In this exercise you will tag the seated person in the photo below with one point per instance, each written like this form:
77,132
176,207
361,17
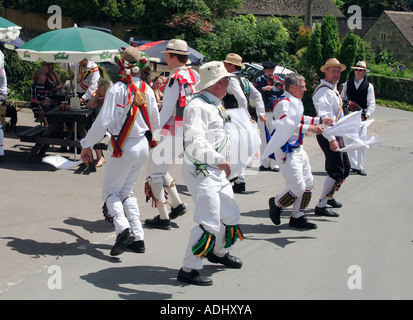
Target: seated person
96,103
53,82
156,86
38,93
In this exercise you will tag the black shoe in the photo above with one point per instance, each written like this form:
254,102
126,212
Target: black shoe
354,171
178,211
275,211
238,187
262,168
325,212
137,246
193,277
333,203
158,223
122,240
362,173
301,223
226,260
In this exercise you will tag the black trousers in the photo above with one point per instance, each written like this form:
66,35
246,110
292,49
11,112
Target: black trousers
337,164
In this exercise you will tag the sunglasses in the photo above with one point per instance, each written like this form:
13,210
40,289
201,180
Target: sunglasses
361,70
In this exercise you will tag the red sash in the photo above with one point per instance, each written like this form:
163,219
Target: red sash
131,117
84,75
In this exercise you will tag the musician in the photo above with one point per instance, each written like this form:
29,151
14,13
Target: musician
271,87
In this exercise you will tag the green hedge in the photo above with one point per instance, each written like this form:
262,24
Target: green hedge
390,88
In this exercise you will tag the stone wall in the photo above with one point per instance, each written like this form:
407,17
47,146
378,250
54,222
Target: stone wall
386,34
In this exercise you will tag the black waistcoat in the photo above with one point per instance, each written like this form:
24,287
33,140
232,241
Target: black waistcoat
358,95
230,102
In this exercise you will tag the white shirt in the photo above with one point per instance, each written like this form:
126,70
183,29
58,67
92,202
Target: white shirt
327,102
171,95
3,77
235,89
371,98
204,130
91,82
111,117
289,114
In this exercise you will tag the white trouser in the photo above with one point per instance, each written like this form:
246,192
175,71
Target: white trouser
268,162
121,175
296,171
356,156
160,158
214,206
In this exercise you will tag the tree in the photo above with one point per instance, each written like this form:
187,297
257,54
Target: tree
329,37
314,53
253,40
347,56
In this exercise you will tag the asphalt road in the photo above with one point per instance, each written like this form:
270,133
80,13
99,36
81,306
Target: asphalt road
54,243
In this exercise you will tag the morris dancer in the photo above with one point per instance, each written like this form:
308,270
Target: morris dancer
293,161
205,170
236,103
177,93
128,113
361,91
327,102
87,79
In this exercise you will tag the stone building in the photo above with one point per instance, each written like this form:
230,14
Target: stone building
393,30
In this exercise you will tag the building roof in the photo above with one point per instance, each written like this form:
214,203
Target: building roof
343,28
404,22
321,8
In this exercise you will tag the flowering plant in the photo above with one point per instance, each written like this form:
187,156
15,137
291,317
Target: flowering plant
190,23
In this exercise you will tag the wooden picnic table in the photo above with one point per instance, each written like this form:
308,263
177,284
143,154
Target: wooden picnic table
53,134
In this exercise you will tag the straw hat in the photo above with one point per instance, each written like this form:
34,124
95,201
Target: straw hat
131,54
210,73
333,62
234,59
177,46
361,65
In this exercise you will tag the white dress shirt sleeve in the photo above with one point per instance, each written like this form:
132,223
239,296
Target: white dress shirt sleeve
102,122
256,96
371,100
94,80
170,98
196,121
323,101
235,89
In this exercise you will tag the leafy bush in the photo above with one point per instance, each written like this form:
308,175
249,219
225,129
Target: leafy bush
253,40
19,75
391,88
392,72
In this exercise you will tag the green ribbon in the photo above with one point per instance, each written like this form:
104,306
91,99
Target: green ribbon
201,167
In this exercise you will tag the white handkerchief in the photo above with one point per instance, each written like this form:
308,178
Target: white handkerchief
60,162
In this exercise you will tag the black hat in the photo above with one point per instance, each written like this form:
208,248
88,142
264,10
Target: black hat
269,64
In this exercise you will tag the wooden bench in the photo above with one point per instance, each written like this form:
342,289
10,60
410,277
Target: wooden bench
31,134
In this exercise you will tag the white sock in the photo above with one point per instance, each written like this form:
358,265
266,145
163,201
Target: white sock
328,187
